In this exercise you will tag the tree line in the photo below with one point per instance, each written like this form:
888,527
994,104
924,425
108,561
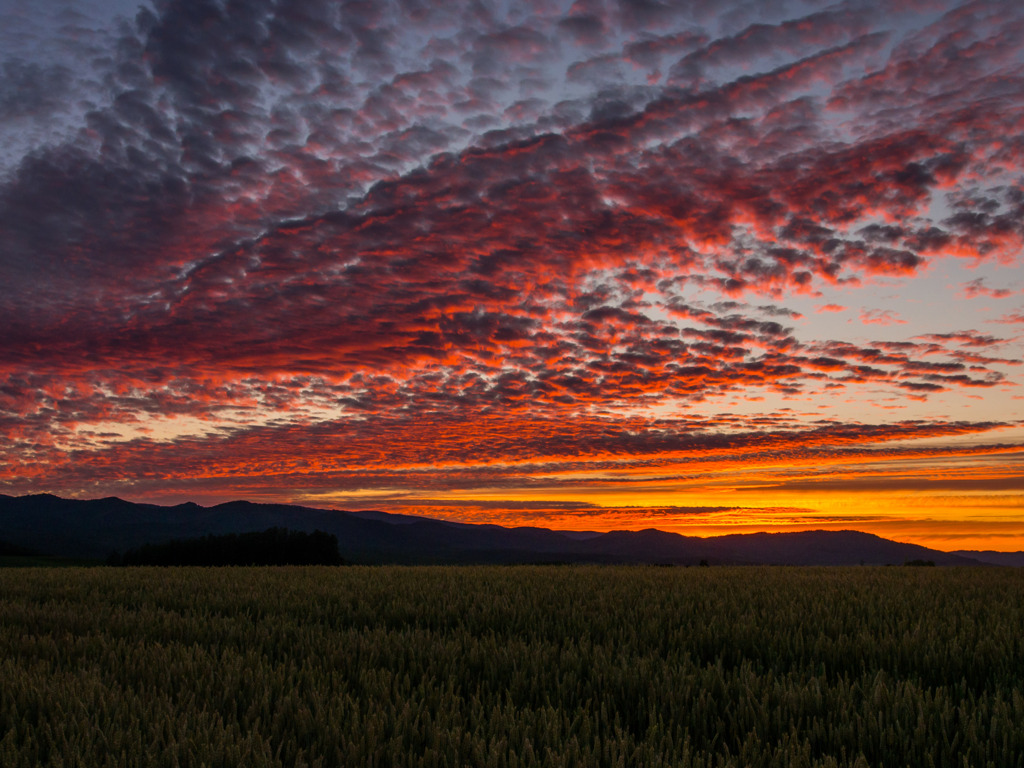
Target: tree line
274,546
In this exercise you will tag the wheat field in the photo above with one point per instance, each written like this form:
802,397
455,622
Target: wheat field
517,666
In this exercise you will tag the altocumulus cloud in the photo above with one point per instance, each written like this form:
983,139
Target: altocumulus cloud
309,245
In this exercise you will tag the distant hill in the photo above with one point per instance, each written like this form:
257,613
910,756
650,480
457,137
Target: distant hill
994,558
99,527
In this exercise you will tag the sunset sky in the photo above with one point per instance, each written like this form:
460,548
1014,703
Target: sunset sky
706,266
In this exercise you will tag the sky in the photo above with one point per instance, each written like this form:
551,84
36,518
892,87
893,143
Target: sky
710,267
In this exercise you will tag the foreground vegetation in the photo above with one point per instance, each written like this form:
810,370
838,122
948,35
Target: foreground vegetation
533,666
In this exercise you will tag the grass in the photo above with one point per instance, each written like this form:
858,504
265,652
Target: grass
511,666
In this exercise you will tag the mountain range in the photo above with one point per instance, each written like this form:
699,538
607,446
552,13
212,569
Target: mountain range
96,528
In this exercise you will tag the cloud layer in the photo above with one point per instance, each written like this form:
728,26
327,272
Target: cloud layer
296,247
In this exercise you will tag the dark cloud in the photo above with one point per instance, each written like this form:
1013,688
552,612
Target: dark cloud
645,14
32,90
652,51
793,38
583,29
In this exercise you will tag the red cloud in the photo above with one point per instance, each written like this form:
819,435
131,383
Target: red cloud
978,288
880,317
373,247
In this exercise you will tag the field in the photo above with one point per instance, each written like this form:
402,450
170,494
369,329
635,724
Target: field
531,666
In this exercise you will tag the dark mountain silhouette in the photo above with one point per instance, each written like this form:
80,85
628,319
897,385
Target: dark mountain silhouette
991,557
815,547
99,527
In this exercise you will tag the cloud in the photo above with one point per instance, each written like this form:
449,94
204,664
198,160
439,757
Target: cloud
452,450
966,338
32,90
407,231
1011,318
977,287
790,38
880,317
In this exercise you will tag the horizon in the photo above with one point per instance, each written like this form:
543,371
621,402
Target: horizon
578,264
537,526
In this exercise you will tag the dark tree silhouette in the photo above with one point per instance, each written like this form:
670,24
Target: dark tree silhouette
12,550
274,546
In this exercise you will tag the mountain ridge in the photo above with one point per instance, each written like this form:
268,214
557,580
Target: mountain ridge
992,556
95,528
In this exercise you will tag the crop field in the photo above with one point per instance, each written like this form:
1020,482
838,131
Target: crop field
530,666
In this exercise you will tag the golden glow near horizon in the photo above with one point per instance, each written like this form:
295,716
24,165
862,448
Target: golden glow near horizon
969,500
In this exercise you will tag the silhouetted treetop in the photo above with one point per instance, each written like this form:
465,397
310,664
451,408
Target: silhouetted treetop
274,546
